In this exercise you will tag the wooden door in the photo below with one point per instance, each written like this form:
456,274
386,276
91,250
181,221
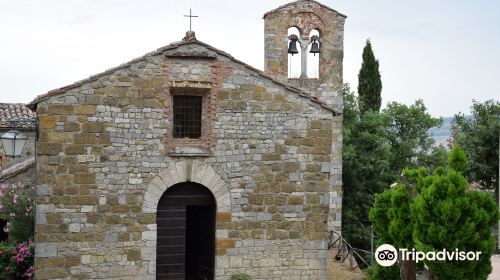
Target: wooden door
186,233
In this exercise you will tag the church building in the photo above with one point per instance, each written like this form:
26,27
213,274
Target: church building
187,163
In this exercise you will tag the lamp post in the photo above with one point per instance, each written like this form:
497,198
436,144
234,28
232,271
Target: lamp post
13,143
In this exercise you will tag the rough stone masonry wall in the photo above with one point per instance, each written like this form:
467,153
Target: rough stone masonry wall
102,143
307,16
280,180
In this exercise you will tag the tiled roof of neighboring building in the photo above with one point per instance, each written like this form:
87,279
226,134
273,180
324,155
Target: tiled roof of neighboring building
16,115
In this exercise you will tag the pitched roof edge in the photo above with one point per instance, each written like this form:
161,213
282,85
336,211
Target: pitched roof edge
292,3
94,77
174,45
17,168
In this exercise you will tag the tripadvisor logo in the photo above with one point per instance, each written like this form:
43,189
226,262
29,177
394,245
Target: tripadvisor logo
387,255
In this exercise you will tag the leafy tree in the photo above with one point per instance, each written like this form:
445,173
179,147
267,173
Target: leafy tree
436,157
378,272
376,148
408,127
478,136
458,160
369,82
392,223
379,216
447,216
351,111
386,228
366,156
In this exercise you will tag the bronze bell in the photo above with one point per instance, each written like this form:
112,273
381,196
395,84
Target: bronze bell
315,45
292,47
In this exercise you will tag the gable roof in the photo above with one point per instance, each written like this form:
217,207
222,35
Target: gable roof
16,115
296,2
172,46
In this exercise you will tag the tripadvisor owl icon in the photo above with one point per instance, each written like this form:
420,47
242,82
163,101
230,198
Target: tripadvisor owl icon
386,255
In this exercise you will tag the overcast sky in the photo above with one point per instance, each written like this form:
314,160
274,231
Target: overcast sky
445,52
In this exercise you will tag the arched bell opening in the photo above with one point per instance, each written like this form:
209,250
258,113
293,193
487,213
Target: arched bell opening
294,53
313,54
185,247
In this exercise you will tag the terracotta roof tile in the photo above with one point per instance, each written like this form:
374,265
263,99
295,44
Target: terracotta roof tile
16,115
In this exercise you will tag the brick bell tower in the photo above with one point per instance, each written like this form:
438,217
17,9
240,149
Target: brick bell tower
307,18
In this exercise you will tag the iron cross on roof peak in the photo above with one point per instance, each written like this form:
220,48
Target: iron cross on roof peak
190,16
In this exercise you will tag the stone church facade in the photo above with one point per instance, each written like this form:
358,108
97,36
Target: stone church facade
128,161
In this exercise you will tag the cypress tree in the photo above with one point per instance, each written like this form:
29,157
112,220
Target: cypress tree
366,164
369,82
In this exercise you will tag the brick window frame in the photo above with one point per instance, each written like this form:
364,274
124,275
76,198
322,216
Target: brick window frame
190,146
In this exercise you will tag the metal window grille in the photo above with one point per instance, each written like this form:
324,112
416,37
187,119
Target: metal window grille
187,116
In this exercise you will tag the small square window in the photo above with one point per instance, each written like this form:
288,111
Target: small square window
187,116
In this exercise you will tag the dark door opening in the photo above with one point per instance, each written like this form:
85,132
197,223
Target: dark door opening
186,233
3,235
199,242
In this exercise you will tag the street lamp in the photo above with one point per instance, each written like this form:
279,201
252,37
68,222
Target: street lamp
13,142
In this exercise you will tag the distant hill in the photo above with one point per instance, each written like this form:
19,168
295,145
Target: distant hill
443,133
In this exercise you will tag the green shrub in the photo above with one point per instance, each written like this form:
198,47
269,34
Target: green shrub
17,260
435,212
377,272
7,262
16,206
241,276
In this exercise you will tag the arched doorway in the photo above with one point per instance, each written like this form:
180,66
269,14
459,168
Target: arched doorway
186,233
